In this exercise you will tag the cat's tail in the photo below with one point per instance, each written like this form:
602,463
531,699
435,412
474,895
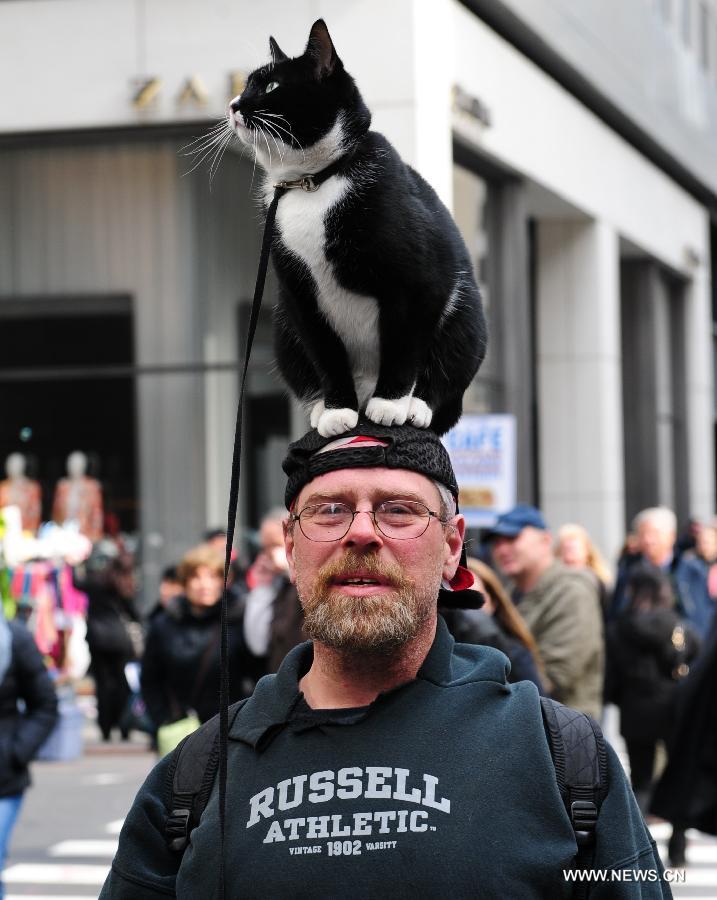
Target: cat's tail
447,414
454,355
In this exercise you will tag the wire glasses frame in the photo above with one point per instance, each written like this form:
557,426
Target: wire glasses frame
395,519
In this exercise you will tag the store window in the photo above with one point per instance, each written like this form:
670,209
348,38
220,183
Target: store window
472,198
67,392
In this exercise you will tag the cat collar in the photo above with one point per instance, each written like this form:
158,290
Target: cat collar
314,180
306,183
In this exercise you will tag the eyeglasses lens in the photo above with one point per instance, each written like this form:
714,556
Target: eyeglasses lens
400,520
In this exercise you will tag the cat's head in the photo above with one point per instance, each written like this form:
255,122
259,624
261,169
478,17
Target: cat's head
300,113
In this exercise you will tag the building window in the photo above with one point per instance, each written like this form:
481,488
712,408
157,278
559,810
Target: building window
471,212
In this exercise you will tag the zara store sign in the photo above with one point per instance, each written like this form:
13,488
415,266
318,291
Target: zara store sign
188,92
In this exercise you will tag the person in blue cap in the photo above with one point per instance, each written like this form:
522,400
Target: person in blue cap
560,605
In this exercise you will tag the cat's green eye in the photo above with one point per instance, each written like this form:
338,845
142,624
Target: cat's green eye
272,86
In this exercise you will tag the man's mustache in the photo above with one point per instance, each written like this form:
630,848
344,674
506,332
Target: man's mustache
353,564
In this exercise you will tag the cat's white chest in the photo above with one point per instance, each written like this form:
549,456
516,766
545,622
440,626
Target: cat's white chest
300,219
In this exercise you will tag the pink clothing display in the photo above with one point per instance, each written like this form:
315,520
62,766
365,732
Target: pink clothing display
80,500
25,493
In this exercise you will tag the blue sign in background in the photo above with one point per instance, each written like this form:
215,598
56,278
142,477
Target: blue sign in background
483,452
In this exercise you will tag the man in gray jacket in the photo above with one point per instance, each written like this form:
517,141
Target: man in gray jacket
561,607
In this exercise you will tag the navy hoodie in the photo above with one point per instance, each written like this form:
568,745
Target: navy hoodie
443,787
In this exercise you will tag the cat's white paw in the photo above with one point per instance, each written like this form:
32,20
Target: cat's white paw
388,412
336,421
316,412
419,413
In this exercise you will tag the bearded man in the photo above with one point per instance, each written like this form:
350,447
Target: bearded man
383,759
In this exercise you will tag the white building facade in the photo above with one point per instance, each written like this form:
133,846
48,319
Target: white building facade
593,247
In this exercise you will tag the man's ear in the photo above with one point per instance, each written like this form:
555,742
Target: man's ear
453,545
288,527
277,54
320,49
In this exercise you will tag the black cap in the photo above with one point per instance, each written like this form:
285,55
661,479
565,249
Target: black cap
404,447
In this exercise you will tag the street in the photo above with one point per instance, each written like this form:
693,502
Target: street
67,832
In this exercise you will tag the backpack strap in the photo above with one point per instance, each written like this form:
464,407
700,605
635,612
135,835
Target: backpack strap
191,775
579,754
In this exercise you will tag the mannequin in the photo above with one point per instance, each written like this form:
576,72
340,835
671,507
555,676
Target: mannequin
78,498
18,490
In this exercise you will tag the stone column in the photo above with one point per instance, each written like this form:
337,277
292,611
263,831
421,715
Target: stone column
699,393
578,362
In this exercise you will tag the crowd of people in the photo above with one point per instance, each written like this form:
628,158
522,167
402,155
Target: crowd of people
581,634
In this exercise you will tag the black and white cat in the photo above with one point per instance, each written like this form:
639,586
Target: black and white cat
378,307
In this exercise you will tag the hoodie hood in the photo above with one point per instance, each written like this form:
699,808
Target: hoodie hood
276,697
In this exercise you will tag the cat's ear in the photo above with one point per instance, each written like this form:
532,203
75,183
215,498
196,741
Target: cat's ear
277,54
320,48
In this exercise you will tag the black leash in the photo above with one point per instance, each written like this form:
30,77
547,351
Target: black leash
308,183
231,521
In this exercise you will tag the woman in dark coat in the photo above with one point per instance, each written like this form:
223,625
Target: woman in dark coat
686,795
22,677
649,651
497,624
114,637
180,669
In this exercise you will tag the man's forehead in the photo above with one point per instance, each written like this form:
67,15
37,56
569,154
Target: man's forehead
369,482
654,525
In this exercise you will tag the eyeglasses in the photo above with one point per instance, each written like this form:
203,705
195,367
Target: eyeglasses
395,519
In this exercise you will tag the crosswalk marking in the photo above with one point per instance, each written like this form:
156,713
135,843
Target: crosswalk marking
701,870
102,779
51,873
84,848
114,827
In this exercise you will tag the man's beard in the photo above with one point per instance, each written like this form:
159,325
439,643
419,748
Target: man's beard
377,623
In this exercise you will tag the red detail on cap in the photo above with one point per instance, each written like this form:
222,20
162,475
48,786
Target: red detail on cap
462,580
362,438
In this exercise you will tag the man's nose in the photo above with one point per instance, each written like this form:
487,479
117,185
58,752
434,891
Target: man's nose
363,532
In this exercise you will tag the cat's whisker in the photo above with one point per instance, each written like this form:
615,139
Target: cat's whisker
219,126
200,158
261,131
287,131
215,132
210,149
207,145
272,134
276,116
253,169
214,168
278,148
205,148
217,149
275,126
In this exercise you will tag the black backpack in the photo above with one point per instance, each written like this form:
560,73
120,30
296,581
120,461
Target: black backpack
577,747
